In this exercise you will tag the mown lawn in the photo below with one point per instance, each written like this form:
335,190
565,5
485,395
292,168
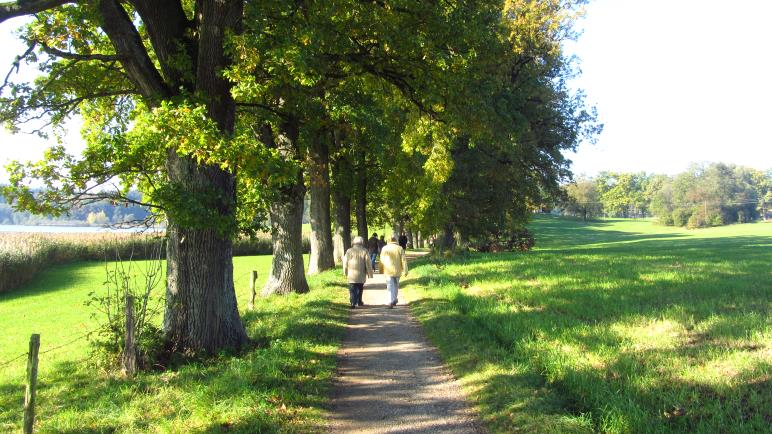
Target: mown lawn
281,386
611,326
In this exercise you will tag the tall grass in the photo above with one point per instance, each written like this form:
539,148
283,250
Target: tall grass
24,255
613,326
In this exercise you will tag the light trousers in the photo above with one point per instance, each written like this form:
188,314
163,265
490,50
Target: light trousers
392,284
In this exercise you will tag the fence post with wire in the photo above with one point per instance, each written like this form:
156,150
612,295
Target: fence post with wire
32,380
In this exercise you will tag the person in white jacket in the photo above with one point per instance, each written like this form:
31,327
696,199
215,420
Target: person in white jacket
394,265
357,269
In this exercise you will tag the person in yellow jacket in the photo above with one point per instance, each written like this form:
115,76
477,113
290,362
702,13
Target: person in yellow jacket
394,266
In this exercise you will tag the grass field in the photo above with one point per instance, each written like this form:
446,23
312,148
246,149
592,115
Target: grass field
278,387
611,326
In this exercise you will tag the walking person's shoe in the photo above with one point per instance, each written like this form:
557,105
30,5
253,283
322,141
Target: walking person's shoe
353,306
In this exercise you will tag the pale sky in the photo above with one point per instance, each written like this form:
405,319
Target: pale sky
674,82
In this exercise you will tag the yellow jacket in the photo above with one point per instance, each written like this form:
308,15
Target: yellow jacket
393,260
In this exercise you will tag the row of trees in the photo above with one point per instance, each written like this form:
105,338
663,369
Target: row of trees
438,117
704,195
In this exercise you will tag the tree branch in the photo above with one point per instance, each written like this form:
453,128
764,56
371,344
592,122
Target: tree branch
19,8
167,26
15,65
76,56
128,45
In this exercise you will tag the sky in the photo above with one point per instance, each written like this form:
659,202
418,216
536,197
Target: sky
675,82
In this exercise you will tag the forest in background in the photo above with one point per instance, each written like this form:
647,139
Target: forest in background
94,214
704,195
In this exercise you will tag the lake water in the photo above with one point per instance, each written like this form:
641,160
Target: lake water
68,229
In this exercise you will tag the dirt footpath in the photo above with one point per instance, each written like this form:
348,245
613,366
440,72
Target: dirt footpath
389,379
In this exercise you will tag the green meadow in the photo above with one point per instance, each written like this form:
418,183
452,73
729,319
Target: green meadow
618,326
279,386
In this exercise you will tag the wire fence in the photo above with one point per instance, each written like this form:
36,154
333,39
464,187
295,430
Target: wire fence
5,364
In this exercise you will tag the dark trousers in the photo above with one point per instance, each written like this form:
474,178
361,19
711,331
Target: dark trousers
355,291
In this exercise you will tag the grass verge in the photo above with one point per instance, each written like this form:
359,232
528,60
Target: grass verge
612,326
282,386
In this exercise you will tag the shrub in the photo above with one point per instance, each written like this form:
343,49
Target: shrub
666,219
515,240
681,216
140,281
716,219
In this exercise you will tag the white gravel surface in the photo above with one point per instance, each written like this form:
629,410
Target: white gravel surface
390,379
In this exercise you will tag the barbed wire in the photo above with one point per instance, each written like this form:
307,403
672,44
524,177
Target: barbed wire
7,363
83,336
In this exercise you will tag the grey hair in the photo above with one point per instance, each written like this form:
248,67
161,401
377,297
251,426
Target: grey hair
358,240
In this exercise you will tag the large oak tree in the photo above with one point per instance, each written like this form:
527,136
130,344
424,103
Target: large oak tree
105,60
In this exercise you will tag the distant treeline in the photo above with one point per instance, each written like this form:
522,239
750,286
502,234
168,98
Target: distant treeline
704,195
96,214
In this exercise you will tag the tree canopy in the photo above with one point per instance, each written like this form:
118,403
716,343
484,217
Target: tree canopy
445,116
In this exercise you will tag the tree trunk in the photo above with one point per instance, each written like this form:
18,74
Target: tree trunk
201,311
409,234
286,213
398,228
342,238
319,183
448,240
361,195
287,268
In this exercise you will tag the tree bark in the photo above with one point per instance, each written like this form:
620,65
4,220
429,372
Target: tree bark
321,257
127,42
342,238
10,10
361,194
410,242
286,213
448,240
201,310
341,196
287,268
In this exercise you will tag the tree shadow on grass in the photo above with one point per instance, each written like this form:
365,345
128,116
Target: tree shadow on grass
55,278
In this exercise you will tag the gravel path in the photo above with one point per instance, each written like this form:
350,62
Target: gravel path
389,379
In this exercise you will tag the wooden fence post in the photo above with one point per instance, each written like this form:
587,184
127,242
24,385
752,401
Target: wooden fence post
129,350
253,289
32,383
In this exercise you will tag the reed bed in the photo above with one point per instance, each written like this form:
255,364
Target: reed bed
23,255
